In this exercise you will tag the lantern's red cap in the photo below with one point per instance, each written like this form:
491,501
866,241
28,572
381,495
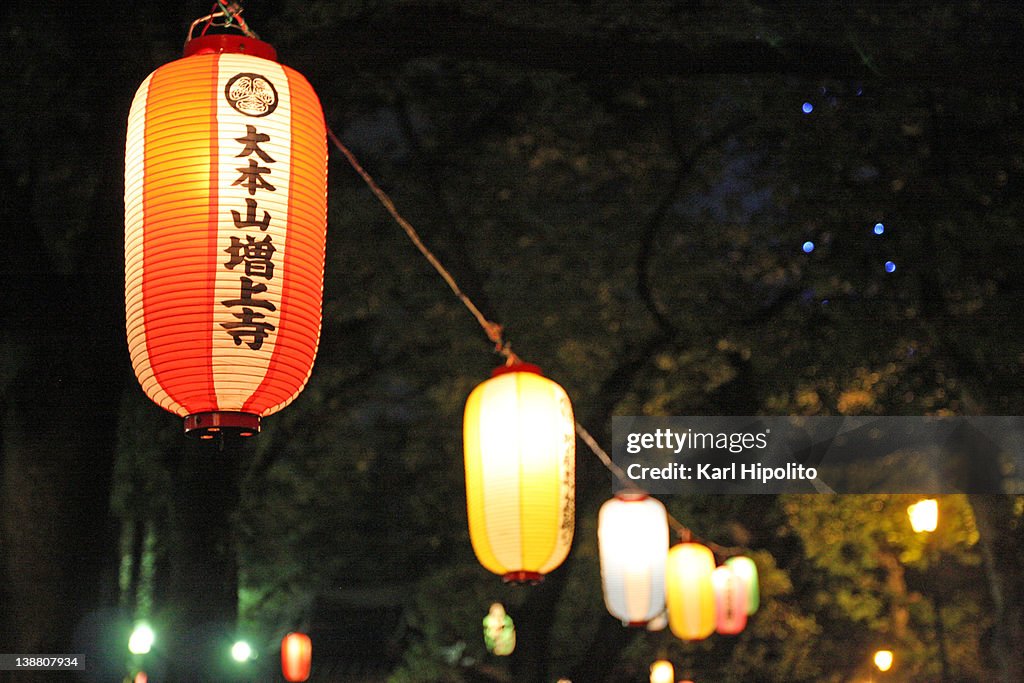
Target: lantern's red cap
532,578
231,44
631,496
517,367
208,425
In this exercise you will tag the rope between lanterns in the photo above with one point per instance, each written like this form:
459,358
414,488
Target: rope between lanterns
502,346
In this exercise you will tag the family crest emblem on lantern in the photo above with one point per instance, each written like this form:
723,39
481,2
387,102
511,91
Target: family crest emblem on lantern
251,94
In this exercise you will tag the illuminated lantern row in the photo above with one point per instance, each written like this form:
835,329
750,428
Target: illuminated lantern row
520,456
702,599
689,593
225,223
296,657
730,601
633,539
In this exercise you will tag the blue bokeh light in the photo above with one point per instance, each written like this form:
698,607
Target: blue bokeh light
879,228
808,107
808,247
890,267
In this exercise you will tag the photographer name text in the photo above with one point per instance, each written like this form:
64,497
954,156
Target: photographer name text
728,472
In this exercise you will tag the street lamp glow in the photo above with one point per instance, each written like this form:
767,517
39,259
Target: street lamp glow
924,515
141,640
241,651
883,660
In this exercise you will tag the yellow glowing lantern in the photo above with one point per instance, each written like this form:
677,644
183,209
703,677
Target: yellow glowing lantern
689,593
520,454
924,515
296,657
225,224
730,601
884,660
746,570
662,671
632,539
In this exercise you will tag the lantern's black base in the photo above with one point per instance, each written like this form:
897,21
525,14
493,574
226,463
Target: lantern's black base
210,425
532,578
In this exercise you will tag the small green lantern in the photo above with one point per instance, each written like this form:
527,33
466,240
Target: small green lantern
499,631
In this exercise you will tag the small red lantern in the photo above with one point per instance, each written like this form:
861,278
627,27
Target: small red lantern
730,601
225,225
296,656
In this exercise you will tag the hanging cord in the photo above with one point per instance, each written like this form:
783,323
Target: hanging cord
223,14
502,346
492,329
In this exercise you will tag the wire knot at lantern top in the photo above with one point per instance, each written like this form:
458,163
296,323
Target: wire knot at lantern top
225,14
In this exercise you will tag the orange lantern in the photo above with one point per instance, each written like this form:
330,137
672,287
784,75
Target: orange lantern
632,540
296,656
689,593
520,454
730,601
225,224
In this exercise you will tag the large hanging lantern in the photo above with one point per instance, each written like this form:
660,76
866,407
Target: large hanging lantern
689,593
296,657
632,539
746,571
225,223
520,452
730,601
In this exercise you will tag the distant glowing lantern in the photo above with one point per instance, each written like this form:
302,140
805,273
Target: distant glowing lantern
689,593
730,601
658,623
746,570
296,656
225,224
141,677
662,671
499,631
632,539
883,660
924,515
520,452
